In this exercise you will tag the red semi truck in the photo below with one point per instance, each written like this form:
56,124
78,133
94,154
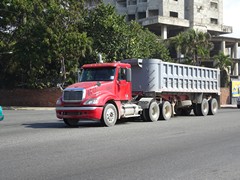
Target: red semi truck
148,88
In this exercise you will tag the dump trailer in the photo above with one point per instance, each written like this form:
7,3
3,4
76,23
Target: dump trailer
150,89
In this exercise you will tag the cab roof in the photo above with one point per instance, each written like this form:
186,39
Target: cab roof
101,65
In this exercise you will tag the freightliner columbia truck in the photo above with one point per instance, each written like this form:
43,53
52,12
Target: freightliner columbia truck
150,89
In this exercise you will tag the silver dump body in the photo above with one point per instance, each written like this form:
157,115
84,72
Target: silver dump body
155,75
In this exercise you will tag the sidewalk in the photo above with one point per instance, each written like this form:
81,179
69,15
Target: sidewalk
229,106
27,108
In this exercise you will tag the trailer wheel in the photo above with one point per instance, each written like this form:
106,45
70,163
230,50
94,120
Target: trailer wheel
196,109
166,111
201,109
204,107
109,117
71,122
152,113
213,106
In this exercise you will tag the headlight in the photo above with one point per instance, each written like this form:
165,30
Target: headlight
91,101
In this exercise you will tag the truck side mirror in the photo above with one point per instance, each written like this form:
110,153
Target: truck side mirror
129,75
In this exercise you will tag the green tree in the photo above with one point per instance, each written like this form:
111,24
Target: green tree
223,62
108,31
49,39
144,44
194,45
177,42
115,39
45,38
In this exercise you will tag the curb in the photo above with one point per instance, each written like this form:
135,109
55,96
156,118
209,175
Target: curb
229,106
28,108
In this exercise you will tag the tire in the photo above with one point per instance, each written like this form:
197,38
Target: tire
238,106
71,122
145,115
109,116
152,113
204,107
196,109
201,109
213,106
166,111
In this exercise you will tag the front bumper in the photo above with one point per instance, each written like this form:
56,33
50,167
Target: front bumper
81,113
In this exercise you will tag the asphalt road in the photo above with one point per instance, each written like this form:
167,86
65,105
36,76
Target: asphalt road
35,145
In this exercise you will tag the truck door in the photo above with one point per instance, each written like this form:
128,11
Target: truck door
123,86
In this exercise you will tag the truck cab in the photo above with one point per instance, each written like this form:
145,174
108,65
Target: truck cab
100,85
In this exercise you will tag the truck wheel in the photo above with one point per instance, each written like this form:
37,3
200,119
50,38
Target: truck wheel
238,106
152,113
109,117
196,109
201,109
213,106
166,111
71,122
204,108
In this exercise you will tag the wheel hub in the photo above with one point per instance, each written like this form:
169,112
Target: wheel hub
110,115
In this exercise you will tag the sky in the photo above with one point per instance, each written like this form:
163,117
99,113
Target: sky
231,17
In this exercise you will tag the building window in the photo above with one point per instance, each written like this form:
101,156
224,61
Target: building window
214,21
122,3
153,12
132,2
131,17
142,1
141,15
173,14
214,5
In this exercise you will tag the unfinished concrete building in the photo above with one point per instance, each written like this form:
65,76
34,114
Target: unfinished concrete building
169,17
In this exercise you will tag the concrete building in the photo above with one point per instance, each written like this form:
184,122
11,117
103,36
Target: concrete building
169,17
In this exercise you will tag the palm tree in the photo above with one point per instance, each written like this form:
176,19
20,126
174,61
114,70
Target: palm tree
197,45
194,45
204,46
177,42
223,62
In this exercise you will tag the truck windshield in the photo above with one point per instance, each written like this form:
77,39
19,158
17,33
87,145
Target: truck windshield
97,74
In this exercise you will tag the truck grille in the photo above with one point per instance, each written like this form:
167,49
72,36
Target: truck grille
73,95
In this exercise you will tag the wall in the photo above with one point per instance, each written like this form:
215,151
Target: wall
29,97
225,96
48,97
